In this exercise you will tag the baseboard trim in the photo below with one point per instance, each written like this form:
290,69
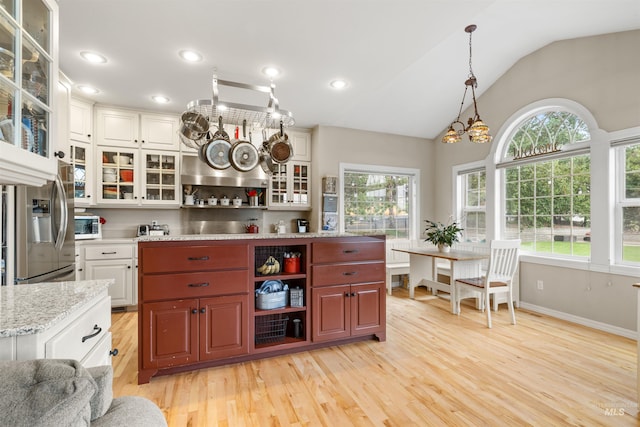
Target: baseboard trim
627,333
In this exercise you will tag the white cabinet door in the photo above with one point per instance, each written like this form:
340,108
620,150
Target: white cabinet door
81,155
119,269
118,128
80,120
301,143
117,176
159,132
63,99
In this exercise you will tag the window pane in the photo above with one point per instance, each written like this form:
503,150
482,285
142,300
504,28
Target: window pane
473,209
632,172
631,234
377,204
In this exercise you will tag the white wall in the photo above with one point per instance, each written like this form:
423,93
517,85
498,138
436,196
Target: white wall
331,146
601,74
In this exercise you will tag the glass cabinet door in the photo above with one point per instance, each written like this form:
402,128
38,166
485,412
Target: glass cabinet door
117,176
161,182
300,184
279,185
83,166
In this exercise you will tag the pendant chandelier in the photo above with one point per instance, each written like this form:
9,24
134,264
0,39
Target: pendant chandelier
477,130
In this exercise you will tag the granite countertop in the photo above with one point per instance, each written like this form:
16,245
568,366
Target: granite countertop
242,236
29,309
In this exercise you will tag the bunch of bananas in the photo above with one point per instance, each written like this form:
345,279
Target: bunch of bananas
270,266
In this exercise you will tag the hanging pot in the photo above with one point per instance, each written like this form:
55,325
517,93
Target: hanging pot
194,125
279,146
265,159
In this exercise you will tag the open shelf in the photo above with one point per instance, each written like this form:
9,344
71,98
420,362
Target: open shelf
288,309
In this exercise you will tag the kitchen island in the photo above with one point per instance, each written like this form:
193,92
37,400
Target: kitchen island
201,300
62,320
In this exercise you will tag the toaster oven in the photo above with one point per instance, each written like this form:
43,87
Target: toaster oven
87,227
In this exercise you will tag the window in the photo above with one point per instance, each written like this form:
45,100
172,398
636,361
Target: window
379,201
473,208
629,203
547,184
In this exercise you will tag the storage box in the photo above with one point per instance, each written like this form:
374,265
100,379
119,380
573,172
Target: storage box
272,300
296,296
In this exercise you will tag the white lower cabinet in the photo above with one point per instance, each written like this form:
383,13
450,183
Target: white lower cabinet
83,335
113,261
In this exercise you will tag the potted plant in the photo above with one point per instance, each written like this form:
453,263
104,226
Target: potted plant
443,236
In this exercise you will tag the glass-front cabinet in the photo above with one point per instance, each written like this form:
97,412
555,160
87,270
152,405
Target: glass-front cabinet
28,78
83,164
160,183
290,186
137,177
117,176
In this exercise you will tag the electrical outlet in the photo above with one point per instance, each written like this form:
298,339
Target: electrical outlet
540,285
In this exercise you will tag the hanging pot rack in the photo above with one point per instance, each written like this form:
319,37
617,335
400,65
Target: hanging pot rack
259,117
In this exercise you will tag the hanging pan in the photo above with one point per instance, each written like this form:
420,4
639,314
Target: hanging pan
244,155
279,146
215,152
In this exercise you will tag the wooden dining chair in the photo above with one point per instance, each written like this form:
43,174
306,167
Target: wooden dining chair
503,262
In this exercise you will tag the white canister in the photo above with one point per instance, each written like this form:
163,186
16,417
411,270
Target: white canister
189,199
212,201
237,201
224,201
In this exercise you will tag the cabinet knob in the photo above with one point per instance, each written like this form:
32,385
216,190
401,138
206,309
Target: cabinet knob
113,352
80,269
353,294
203,310
135,140
88,196
59,154
346,294
142,141
129,267
194,311
89,135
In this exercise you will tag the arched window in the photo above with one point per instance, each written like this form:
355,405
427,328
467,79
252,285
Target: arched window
547,184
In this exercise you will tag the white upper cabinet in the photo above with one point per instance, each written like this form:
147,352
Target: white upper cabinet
80,120
124,128
29,135
301,143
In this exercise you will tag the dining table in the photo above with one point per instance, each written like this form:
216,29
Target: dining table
424,264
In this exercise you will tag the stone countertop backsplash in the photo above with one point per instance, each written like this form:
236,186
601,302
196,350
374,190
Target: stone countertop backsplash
29,309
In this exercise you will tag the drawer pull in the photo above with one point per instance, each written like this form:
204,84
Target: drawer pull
113,352
109,253
195,258
350,251
349,273
97,330
198,285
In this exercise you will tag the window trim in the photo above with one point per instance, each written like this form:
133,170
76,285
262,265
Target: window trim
457,172
617,146
414,190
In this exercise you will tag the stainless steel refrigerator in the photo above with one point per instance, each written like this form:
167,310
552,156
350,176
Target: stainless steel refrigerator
44,238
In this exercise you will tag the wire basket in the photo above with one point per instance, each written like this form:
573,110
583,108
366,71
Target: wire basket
271,328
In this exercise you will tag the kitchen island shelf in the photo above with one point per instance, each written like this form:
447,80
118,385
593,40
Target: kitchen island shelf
287,309
280,276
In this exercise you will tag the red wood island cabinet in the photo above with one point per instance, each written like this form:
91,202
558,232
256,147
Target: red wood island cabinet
198,307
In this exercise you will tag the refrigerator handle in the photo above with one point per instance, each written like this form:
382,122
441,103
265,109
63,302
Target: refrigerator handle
58,196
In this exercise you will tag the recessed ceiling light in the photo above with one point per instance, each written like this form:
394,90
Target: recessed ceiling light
338,84
93,57
271,71
88,89
190,56
160,99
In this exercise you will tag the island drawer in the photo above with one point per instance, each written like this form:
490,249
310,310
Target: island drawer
340,274
194,258
79,338
338,251
193,285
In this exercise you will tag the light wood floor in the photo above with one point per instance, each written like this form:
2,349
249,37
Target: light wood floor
434,369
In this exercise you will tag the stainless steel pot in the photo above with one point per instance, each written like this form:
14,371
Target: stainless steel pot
215,152
194,125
